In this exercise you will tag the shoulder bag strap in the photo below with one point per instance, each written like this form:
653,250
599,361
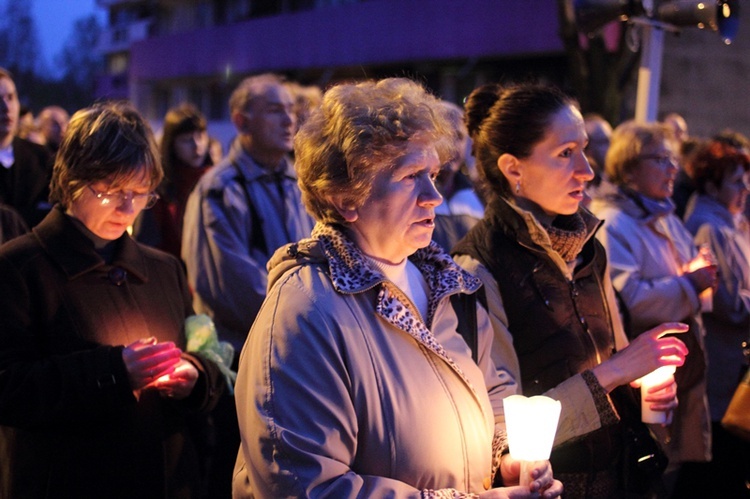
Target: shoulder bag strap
465,307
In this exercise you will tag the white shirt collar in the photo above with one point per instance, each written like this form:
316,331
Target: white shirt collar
6,156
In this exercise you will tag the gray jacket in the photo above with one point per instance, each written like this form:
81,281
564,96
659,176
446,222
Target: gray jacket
647,255
344,390
728,324
235,218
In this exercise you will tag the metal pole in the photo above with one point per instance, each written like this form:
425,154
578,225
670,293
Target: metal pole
649,73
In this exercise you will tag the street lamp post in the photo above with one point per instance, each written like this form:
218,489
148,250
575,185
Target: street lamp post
649,72
654,18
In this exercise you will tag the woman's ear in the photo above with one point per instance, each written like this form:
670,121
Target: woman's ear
510,167
345,208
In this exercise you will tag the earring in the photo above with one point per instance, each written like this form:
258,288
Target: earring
518,187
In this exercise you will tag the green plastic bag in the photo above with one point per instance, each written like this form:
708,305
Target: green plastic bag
202,338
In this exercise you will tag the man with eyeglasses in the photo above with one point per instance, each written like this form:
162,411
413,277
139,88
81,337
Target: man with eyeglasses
237,215
25,167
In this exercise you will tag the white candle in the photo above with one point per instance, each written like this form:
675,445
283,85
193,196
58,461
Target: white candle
705,258
657,377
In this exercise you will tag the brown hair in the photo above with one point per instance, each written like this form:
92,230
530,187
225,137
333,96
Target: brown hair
713,161
185,118
108,141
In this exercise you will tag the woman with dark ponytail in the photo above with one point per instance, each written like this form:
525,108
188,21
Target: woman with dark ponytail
551,303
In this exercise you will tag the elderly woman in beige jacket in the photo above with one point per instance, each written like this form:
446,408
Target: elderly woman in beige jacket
354,380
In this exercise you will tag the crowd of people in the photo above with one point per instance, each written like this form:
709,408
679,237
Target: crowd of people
385,268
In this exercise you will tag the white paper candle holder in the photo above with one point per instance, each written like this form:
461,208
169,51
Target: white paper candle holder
531,424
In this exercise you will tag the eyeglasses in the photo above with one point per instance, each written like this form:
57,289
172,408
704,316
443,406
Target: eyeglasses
661,159
119,198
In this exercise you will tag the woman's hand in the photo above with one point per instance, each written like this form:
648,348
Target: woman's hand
543,484
704,278
662,398
645,353
179,383
522,492
146,360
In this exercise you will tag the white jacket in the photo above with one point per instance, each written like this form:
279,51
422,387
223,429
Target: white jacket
647,255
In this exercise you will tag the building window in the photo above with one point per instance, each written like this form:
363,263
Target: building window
118,64
237,10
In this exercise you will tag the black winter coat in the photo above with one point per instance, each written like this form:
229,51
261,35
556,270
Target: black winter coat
70,425
25,185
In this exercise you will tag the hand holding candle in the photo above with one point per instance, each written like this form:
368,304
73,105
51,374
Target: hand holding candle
146,360
702,273
543,485
531,424
659,380
179,383
648,351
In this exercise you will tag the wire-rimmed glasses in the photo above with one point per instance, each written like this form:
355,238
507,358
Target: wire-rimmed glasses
119,198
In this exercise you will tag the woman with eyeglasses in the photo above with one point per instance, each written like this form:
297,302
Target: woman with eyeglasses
95,383
715,215
657,270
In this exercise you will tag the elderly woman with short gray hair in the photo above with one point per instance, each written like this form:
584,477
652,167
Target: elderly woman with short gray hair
354,380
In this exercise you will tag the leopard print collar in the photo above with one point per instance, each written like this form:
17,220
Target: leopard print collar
351,272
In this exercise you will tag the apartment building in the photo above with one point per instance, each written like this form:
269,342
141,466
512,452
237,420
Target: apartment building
161,52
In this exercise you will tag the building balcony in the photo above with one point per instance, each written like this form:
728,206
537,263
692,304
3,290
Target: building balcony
372,32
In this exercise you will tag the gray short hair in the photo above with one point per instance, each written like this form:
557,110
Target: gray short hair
627,144
358,131
250,88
